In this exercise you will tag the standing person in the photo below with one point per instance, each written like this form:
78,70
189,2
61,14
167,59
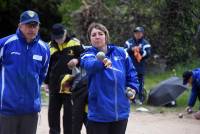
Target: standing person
24,60
110,72
79,97
139,49
65,53
193,79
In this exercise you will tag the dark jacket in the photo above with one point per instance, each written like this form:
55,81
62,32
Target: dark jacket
195,92
60,56
145,50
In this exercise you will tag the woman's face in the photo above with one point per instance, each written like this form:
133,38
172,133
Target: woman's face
98,38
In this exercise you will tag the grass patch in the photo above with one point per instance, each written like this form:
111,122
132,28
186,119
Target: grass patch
160,109
151,80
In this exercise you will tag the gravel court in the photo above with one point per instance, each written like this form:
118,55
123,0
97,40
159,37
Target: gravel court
144,123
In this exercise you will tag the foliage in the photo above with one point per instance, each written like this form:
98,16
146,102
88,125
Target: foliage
170,25
177,30
66,9
10,11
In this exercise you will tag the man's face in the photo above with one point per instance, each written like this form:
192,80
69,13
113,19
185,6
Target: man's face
138,35
61,40
190,81
30,30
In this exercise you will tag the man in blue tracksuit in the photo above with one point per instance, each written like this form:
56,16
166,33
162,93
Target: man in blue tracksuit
193,78
139,50
24,60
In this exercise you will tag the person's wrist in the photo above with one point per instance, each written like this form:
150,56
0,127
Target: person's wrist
76,61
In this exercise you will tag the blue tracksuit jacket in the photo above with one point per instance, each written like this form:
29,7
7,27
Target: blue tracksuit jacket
195,92
23,68
107,101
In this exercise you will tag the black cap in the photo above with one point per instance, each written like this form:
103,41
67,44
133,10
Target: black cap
58,31
186,76
139,29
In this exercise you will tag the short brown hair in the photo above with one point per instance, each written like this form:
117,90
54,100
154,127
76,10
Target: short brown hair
100,27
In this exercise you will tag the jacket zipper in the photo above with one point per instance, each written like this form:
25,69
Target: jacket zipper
3,79
3,86
26,65
116,100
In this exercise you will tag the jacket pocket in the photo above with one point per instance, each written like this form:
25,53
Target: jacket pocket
37,65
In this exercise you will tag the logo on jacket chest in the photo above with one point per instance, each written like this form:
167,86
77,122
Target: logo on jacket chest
70,52
15,53
117,58
37,57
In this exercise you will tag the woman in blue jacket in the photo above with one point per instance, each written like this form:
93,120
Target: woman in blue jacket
110,73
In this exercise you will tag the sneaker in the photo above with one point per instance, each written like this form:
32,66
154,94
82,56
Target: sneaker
138,102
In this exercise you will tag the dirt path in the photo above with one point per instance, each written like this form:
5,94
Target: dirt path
146,123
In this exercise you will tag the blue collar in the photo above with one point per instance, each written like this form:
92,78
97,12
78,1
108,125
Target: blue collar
22,38
138,41
110,48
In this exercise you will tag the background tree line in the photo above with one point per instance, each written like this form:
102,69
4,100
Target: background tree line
171,26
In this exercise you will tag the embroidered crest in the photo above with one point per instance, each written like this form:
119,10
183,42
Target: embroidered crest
71,52
116,58
31,13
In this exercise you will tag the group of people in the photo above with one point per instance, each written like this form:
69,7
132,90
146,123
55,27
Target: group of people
115,75
27,62
108,104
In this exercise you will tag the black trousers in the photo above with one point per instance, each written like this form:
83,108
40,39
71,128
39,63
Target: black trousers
80,98
56,101
198,96
79,116
118,127
20,124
